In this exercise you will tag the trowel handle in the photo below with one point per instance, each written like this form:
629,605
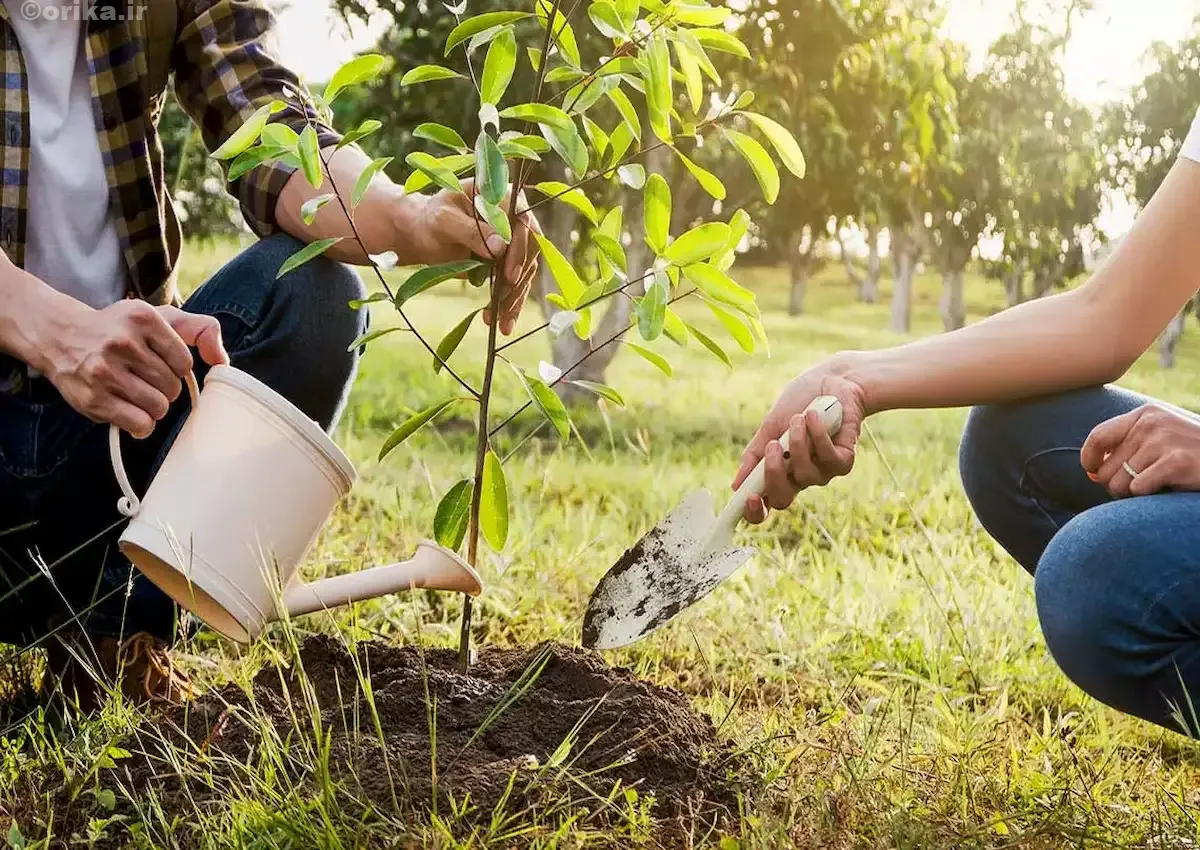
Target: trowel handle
831,415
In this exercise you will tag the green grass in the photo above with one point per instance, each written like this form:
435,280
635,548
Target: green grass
880,661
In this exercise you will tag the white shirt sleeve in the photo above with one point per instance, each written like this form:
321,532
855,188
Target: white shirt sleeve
1191,145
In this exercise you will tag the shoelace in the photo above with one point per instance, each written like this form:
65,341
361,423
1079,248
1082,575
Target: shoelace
145,650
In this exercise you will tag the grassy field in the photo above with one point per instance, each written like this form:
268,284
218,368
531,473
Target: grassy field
880,662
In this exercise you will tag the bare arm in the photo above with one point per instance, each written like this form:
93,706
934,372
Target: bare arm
421,229
1081,338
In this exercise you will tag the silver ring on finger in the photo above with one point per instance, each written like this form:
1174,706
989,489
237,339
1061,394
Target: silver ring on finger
1133,473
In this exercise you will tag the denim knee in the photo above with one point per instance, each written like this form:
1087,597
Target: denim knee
983,458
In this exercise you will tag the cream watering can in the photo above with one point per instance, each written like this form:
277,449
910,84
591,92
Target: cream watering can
237,504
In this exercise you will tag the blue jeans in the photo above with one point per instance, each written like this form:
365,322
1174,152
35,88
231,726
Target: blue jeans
1117,582
60,567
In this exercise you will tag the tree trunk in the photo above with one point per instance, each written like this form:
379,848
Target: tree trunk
904,260
856,280
953,304
799,273
1014,285
869,290
1170,339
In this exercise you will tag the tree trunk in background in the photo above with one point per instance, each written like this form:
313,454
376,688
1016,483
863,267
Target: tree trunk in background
869,290
1170,339
904,261
856,280
953,304
799,272
1014,285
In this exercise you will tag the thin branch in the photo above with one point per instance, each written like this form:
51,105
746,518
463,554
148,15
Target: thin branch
619,53
577,364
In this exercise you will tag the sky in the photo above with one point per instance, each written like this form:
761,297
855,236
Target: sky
1103,59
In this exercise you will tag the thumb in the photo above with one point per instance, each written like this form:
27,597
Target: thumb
200,332
1104,438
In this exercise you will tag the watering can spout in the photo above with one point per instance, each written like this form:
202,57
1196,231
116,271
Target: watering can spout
433,567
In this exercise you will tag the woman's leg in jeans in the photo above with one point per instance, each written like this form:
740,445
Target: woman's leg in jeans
1117,581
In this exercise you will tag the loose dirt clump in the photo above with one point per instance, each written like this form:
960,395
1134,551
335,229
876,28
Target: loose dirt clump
540,735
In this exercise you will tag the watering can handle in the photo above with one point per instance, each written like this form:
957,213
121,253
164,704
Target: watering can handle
129,504
831,415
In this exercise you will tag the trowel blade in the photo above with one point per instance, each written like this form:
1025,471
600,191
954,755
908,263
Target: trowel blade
666,572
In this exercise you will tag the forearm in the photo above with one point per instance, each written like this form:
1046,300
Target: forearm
30,310
1042,347
1080,338
378,217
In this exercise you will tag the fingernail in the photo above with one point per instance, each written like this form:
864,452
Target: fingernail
495,243
506,326
1091,476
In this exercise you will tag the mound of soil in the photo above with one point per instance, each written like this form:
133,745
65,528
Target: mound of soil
566,725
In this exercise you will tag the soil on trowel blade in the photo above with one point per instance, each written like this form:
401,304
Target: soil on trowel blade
568,735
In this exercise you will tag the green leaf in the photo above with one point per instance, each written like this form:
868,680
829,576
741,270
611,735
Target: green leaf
719,39
359,303
744,99
516,150
699,243
561,270
649,356
760,163
493,503
658,88
572,197
737,329
247,134
686,41
583,96
455,164
453,515
535,58
429,276
718,286
613,223
596,137
491,170
545,400
564,74
569,146
16,838
253,158
619,142
442,135
564,36
674,328
479,23
603,390
699,14
632,175
689,66
652,311
539,113
657,212
428,74
436,171
364,180
739,224
359,70
371,336
452,340
359,133
310,157
535,143
628,113
308,212
707,180
612,250
583,328
711,344
784,142
308,252
280,135
607,20
494,216
412,425
498,67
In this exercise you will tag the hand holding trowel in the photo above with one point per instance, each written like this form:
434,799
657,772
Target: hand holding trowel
680,560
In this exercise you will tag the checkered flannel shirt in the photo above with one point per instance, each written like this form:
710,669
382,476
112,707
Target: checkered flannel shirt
224,67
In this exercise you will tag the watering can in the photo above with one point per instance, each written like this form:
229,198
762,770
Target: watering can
237,504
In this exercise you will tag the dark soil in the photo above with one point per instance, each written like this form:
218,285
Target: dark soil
622,731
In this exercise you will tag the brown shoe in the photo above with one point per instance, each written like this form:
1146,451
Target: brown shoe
141,665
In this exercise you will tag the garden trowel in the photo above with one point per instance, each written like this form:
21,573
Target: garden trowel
679,561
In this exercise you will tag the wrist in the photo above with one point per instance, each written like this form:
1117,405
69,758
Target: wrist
404,216
34,318
861,369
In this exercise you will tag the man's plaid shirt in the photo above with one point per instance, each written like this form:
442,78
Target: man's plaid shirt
224,66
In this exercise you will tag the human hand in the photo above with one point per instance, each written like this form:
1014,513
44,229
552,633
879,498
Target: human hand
1160,445
122,365
445,227
813,457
